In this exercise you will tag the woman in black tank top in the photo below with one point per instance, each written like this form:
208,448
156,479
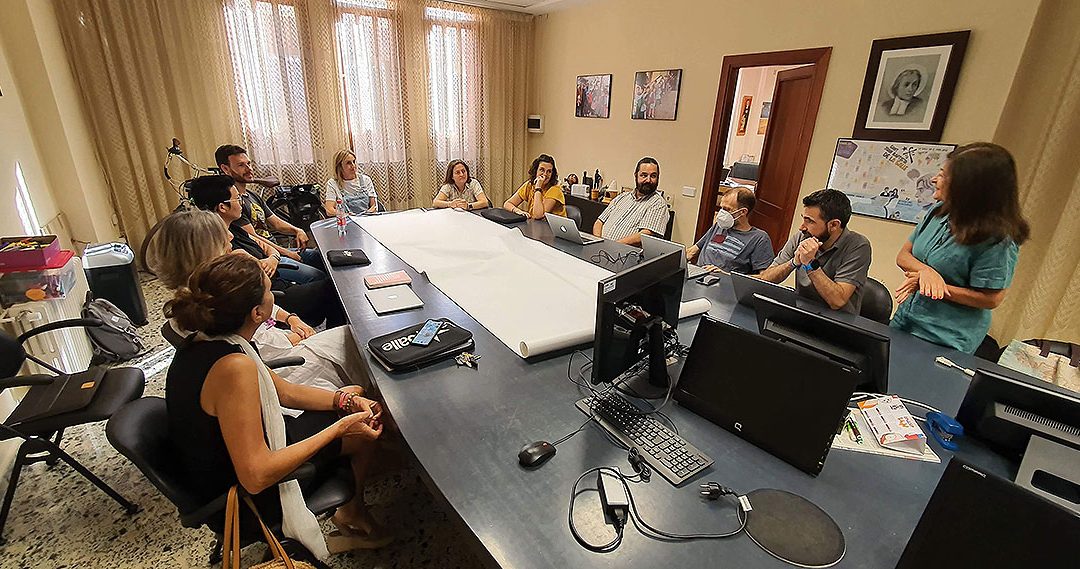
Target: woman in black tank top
215,411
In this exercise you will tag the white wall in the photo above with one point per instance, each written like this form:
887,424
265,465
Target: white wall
57,132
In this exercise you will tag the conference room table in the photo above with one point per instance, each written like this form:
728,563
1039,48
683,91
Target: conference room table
464,428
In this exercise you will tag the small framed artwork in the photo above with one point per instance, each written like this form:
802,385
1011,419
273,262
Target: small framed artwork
656,94
593,99
909,87
744,115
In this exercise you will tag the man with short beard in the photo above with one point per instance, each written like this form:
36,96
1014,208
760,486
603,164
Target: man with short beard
830,260
633,214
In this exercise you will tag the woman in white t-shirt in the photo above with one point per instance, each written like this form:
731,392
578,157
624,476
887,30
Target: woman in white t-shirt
355,190
460,189
189,238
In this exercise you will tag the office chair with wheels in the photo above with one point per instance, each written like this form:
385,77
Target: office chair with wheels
876,301
140,432
54,403
574,212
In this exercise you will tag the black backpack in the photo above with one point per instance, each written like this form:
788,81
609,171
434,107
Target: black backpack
116,340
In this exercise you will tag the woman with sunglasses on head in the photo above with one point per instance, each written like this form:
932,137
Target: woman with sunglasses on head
960,259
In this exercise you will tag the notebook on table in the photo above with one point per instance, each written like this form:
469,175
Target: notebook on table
387,279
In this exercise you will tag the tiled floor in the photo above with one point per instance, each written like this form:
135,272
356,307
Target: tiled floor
60,520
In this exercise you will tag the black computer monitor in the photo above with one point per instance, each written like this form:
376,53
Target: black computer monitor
1006,410
851,345
979,521
634,310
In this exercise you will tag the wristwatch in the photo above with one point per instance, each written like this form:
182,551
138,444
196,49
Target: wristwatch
468,206
813,265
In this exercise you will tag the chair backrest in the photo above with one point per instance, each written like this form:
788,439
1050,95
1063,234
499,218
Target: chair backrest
12,355
171,335
574,213
140,432
744,171
876,301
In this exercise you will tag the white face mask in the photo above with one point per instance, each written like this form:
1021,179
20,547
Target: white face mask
724,220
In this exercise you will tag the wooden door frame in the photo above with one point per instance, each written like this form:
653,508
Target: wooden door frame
725,103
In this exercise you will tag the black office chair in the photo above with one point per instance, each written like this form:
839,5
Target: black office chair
574,212
140,432
876,301
45,410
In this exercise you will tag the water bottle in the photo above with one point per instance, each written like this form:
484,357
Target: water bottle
342,218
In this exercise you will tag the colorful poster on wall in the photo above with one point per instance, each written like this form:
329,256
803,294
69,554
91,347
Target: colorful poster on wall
891,180
763,122
744,115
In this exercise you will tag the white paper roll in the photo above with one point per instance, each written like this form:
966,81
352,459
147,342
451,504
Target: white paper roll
694,307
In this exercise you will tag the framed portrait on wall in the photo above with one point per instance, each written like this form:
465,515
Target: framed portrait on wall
593,98
656,95
909,86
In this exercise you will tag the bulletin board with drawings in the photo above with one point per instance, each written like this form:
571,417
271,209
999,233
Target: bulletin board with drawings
890,180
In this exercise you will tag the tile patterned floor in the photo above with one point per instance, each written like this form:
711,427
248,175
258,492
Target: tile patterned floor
60,520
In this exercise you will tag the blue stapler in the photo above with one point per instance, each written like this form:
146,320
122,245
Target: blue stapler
943,428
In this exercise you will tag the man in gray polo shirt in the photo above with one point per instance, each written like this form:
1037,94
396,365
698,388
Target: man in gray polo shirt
830,260
631,214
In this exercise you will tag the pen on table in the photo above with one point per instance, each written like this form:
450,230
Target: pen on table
847,427
855,429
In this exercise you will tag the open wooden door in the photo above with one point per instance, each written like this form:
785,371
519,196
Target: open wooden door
780,172
787,143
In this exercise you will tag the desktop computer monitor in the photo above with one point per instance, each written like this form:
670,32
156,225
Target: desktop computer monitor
635,310
977,520
848,344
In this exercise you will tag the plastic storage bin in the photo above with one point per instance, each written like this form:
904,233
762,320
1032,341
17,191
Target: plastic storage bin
110,270
29,251
25,285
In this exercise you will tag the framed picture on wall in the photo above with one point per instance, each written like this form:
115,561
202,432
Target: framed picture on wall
593,99
909,87
887,179
656,94
744,115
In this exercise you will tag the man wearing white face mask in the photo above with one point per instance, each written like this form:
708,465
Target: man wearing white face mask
732,244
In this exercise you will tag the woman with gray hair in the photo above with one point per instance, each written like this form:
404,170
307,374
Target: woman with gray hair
187,239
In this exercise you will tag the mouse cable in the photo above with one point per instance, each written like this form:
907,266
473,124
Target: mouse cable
646,529
572,433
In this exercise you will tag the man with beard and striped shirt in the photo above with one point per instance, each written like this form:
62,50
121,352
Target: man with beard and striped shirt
633,214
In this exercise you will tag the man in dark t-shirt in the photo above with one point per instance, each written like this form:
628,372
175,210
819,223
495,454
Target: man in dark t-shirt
742,248
258,220
314,301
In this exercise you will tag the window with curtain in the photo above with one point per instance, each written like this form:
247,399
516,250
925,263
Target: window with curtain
367,45
268,72
453,84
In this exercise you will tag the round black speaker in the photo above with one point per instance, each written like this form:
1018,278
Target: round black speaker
794,529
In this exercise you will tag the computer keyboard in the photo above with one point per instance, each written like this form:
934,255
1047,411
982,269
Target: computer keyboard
664,451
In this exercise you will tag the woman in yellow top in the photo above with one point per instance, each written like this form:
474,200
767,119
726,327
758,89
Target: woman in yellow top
541,193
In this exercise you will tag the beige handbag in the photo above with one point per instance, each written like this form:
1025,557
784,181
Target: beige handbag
231,547
1036,359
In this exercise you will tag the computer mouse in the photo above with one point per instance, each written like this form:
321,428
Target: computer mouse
535,454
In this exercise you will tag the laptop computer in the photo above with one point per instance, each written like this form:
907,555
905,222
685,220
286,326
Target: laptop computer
787,400
746,286
393,299
565,228
653,247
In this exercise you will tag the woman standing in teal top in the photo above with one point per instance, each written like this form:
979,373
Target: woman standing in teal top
960,259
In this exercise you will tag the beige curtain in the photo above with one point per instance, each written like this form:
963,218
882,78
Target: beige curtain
149,70
407,84
1041,127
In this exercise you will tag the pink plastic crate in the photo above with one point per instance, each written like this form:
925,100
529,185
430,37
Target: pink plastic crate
44,250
